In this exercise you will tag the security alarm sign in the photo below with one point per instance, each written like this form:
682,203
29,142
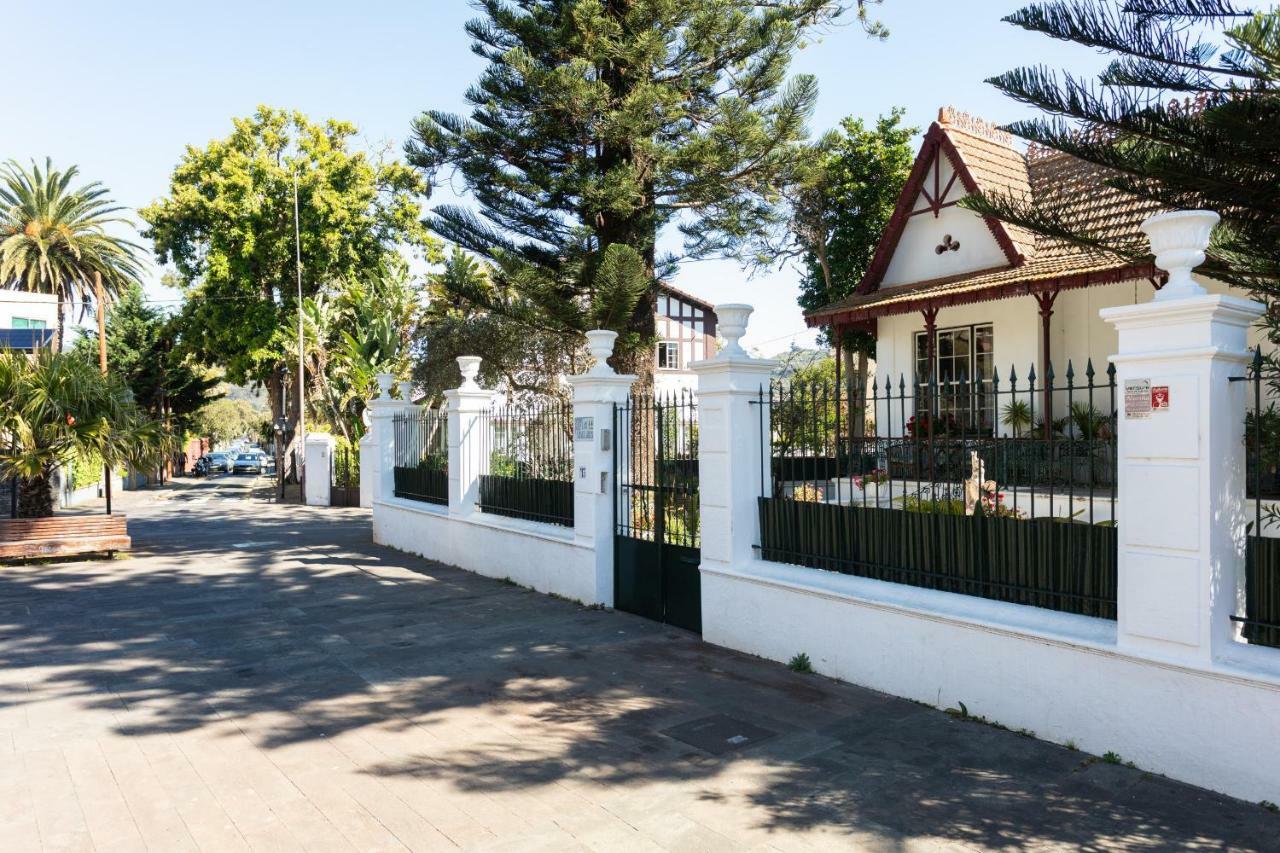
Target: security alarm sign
1138,399
1159,398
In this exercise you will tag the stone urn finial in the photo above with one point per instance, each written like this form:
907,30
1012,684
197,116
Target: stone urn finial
1178,240
732,324
600,345
406,391
385,381
469,367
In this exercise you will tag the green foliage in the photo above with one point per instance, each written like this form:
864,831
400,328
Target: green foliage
227,227
53,238
1089,423
597,124
1016,415
55,408
1184,116
86,469
144,349
224,420
804,415
800,663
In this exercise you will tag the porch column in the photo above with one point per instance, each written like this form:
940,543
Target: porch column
1181,466
377,449
1045,300
732,452
467,457
595,395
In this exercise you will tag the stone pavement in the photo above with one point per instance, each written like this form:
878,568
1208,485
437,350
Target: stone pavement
261,677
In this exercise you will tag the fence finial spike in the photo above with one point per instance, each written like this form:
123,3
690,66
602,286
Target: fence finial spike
1257,359
1111,372
1071,372
1031,374
1013,376
995,375
1088,371
1048,373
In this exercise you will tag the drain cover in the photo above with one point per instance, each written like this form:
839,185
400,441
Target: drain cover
719,734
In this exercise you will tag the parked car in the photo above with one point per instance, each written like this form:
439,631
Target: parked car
249,463
219,462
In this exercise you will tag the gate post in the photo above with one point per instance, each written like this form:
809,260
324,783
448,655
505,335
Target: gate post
596,393
1181,459
378,456
731,451
317,454
467,457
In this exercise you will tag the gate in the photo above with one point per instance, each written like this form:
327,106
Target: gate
657,536
344,478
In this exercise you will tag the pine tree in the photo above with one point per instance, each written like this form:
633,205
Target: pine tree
599,122
1186,115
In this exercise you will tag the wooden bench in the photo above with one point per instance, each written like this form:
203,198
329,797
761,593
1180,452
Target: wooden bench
63,536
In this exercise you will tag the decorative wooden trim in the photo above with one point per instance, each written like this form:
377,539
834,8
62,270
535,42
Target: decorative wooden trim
936,142
989,294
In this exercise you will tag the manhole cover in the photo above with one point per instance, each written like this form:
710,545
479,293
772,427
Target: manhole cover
719,734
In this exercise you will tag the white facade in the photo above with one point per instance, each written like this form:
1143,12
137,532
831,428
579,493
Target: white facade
19,308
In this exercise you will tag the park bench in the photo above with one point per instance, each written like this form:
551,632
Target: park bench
62,536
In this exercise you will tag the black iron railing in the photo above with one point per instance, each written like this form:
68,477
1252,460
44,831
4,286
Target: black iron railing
1003,489
422,456
657,464
1260,623
529,450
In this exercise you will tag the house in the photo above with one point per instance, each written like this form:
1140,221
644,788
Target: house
27,320
957,296
686,329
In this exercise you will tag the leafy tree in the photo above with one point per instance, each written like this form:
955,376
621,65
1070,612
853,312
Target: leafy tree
54,239
841,192
1185,115
225,419
56,408
459,321
595,125
227,226
143,349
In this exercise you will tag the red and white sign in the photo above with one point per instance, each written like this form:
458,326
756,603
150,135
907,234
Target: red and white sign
1159,398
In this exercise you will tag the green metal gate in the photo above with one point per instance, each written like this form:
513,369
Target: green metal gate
657,536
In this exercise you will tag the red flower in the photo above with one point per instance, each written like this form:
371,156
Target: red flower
71,420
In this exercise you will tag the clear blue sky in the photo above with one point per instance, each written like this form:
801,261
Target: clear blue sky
131,84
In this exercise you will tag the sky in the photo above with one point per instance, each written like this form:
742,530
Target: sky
133,83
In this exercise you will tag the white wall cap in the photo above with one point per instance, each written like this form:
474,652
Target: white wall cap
592,387
384,407
321,438
1219,307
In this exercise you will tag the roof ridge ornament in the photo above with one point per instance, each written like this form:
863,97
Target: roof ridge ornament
949,116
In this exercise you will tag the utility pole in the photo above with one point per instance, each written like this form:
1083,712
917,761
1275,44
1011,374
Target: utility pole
302,372
99,296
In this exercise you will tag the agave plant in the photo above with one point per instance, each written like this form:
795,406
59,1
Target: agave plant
57,407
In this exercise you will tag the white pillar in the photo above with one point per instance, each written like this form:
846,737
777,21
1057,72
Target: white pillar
368,468
730,448
1181,465
381,459
468,459
595,395
317,454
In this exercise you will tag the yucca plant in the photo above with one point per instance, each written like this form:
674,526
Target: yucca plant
54,238
56,407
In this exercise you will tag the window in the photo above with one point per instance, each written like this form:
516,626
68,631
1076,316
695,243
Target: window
669,355
964,364
26,323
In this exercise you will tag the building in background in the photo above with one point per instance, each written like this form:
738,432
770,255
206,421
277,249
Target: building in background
28,321
686,329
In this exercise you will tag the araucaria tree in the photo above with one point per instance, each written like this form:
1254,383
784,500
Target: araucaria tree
56,238
599,122
227,226
1186,115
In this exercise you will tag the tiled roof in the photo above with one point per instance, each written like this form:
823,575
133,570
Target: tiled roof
1071,188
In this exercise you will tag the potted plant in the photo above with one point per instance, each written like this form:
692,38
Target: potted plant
870,482
1016,415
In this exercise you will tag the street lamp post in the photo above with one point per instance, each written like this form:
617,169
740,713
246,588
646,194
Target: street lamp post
281,424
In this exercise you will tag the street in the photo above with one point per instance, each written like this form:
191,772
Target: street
261,677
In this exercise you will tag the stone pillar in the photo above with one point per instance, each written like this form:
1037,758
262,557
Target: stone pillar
1181,462
595,395
377,450
468,459
730,448
317,453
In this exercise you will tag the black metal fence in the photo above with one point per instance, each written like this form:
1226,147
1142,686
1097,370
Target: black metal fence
1261,618
530,456
657,465
1002,489
422,455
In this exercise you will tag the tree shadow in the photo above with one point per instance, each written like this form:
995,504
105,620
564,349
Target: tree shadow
307,632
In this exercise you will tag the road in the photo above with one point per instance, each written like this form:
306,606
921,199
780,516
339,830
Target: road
261,677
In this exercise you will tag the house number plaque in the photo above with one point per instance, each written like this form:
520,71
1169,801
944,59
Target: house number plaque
584,429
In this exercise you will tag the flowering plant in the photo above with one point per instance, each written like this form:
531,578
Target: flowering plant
877,475
918,425
993,505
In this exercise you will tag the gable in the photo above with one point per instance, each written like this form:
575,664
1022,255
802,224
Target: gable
941,239
927,213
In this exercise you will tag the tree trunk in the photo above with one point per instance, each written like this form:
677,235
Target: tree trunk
62,323
35,495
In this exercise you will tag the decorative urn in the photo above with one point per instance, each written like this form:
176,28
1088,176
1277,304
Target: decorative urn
732,325
1178,240
385,381
469,367
600,345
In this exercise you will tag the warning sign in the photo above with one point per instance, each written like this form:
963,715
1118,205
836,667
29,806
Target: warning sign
1159,398
1138,398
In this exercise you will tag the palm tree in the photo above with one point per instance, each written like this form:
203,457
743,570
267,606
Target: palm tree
57,407
53,239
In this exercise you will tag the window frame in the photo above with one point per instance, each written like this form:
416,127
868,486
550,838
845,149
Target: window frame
664,346
978,412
